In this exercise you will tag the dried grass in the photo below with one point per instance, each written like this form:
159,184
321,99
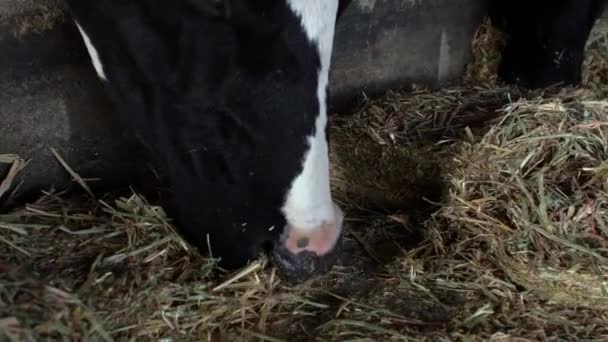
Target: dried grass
509,243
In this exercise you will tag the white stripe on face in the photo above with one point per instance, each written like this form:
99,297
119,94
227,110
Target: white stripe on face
92,53
309,205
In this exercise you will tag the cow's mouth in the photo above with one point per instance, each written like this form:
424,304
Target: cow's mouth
303,254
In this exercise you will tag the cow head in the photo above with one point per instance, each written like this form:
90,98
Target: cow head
230,96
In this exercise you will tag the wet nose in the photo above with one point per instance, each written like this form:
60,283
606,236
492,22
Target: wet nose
319,240
304,252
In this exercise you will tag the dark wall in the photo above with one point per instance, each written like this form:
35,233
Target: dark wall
50,97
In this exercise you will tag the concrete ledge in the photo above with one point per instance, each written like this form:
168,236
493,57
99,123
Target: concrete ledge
50,97
396,43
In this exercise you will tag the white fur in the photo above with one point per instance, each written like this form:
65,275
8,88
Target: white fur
92,53
309,203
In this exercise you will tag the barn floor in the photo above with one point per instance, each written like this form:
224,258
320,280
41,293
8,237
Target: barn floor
474,213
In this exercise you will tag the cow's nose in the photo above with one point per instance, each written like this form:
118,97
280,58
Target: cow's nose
305,252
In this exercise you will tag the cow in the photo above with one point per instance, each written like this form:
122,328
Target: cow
230,99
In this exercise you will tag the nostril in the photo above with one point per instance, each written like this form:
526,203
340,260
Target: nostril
303,242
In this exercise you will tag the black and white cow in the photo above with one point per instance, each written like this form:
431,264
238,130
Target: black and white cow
230,96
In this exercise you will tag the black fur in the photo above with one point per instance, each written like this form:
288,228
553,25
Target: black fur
547,39
224,98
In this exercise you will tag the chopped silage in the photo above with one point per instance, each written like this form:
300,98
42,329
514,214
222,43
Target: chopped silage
475,213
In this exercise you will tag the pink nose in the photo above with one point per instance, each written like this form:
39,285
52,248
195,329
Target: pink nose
306,252
319,240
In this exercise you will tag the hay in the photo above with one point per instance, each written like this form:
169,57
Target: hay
487,44
368,154
474,213
526,213
595,76
122,265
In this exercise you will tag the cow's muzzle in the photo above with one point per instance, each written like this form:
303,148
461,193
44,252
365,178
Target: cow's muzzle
302,254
